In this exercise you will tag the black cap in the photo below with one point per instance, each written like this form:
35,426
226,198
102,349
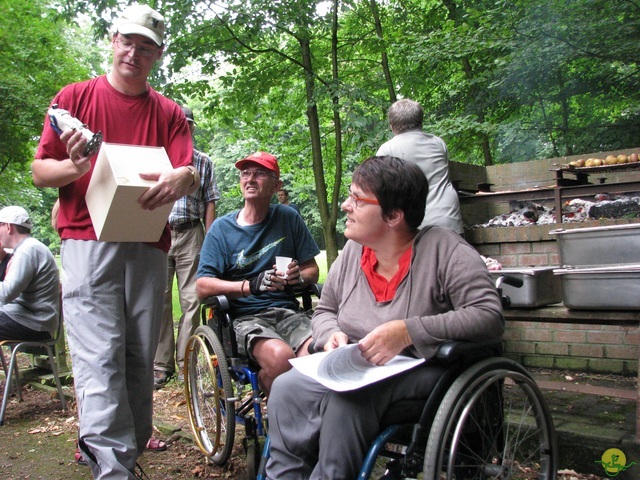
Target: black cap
189,114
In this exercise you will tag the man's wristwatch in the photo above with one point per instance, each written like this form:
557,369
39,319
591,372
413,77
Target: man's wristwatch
194,174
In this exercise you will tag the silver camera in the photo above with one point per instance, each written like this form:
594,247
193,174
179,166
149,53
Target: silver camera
61,121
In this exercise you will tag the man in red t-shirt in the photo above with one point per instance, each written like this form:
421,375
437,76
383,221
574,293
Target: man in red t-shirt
113,291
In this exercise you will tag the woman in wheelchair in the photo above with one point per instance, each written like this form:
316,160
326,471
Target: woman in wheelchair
393,289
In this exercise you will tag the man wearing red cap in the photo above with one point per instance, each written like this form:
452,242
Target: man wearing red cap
237,260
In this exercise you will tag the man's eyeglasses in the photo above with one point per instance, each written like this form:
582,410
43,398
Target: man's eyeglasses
127,45
358,201
258,173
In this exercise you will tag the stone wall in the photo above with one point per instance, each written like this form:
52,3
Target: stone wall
604,349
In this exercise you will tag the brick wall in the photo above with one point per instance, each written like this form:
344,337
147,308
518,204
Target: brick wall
592,348
595,348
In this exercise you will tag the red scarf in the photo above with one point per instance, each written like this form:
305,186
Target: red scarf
382,289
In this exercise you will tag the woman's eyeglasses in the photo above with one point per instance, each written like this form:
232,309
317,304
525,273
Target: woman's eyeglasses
358,201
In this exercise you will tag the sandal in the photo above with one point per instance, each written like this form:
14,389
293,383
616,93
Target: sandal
156,445
79,458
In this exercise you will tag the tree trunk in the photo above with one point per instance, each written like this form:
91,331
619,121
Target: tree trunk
384,60
328,223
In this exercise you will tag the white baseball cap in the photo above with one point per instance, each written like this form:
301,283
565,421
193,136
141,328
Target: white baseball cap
16,216
142,20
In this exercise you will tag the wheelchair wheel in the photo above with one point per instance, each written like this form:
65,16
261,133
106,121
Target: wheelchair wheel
492,423
253,460
210,396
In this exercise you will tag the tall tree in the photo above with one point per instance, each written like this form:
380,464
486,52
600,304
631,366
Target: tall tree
39,54
279,39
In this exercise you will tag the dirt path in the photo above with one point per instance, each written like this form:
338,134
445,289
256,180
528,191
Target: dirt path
38,442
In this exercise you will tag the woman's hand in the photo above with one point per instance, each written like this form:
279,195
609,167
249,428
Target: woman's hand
385,342
337,339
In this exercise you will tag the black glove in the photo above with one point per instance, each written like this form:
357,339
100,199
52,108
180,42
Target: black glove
259,283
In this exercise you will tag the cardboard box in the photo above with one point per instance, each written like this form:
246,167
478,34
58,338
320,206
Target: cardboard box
114,189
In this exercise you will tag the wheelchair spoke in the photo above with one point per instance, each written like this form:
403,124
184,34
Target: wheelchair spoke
492,424
209,393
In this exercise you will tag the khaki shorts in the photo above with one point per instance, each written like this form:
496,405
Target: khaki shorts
292,327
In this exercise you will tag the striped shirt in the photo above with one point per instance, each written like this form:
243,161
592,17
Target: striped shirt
192,207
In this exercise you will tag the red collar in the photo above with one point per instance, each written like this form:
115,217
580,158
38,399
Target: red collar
384,290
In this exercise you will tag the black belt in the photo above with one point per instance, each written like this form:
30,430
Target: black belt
185,226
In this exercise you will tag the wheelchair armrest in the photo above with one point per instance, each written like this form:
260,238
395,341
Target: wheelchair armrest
220,302
316,289
307,293
454,350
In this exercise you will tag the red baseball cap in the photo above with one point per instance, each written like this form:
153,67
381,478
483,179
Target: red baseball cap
263,159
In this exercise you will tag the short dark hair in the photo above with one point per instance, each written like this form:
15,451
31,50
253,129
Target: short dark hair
397,184
405,114
285,191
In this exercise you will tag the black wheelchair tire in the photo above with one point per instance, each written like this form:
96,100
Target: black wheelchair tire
463,442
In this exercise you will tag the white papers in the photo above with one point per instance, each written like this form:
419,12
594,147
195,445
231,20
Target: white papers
346,369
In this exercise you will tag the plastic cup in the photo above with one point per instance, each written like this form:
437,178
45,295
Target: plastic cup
282,265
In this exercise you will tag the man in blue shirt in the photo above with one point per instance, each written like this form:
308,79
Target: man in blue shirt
237,260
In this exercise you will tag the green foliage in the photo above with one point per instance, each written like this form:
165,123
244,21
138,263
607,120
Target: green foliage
36,60
501,81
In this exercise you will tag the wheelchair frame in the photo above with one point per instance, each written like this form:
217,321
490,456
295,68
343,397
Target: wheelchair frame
485,419
222,389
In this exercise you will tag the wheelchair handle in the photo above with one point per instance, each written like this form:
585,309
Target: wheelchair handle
509,280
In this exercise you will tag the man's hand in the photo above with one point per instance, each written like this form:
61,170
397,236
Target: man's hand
294,276
76,143
266,281
170,186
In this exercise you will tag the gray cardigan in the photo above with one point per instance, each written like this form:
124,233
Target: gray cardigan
448,294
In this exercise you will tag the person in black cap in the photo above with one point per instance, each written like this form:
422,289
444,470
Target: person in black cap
187,234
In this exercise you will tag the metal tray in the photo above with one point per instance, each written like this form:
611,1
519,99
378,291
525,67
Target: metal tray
610,245
614,287
540,287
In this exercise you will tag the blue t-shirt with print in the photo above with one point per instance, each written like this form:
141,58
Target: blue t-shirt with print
234,252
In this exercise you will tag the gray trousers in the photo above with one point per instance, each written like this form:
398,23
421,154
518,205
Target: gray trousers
320,434
112,299
182,263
